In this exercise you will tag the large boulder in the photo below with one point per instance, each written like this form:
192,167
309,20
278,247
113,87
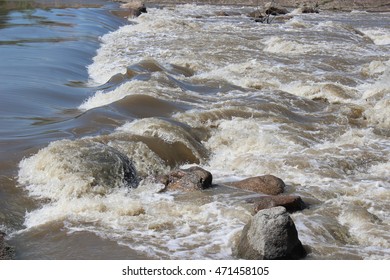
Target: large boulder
193,178
292,203
267,184
6,252
270,235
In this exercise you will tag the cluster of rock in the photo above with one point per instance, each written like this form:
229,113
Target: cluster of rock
6,252
338,5
269,12
271,233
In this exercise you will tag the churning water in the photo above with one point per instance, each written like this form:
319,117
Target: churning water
306,98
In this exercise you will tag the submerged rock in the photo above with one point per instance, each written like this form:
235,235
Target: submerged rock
108,166
270,235
6,252
292,203
74,168
267,184
193,178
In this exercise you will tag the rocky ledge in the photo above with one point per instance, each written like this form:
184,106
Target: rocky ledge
335,5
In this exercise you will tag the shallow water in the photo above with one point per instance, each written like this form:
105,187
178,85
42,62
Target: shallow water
305,99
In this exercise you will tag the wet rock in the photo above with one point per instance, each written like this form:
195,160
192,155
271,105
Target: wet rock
221,14
267,184
270,235
292,203
135,8
6,252
107,166
193,178
310,10
275,11
256,15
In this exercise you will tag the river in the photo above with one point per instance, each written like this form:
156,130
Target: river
305,98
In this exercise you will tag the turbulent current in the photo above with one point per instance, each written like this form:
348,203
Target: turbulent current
305,98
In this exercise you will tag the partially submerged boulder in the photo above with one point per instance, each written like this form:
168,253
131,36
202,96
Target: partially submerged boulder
270,235
267,184
193,178
78,167
292,203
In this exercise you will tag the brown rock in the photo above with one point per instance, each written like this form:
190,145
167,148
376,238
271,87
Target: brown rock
276,11
256,15
292,203
193,178
221,14
267,184
309,10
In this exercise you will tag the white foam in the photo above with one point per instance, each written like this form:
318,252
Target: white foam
379,36
379,114
280,45
101,98
332,92
153,87
365,227
375,67
376,95
245,152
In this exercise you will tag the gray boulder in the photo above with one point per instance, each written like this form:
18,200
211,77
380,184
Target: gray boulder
270,235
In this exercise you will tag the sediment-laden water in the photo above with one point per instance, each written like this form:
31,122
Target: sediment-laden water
305,98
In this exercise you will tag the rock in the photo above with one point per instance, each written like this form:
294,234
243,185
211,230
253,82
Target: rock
267,184
193,178
309,10
270,235
292,203
106,165
256,14
275,11
135,8
96,164
221,14
6,252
